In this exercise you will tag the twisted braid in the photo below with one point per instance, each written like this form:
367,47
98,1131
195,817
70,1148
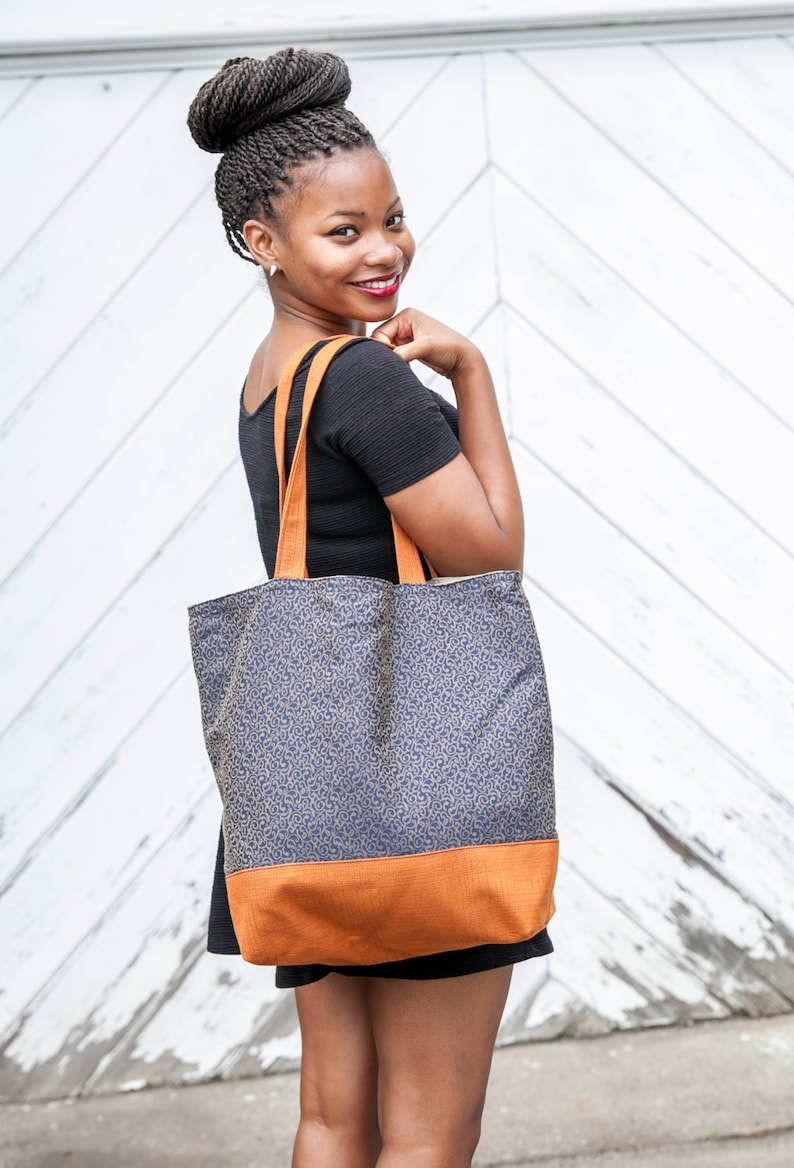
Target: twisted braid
266,118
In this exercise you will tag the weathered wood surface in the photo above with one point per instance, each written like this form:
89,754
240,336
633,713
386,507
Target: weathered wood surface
613,227
40,20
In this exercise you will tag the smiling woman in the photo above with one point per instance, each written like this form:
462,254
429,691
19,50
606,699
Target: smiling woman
305,194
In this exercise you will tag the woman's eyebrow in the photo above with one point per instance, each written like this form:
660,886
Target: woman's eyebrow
359,214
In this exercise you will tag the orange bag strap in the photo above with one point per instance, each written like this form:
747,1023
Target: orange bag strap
283,393
291,554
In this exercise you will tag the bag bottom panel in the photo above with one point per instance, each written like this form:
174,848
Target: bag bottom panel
362,912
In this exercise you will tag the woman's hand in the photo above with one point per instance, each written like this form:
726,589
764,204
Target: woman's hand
418,337
466,517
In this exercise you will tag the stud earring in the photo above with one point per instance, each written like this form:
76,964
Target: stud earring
273,270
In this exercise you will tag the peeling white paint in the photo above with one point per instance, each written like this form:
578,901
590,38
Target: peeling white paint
528,980
132,1085
552,1000
269,1054
220,1004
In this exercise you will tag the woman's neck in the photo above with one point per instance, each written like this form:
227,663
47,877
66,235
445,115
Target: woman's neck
288,332
299,325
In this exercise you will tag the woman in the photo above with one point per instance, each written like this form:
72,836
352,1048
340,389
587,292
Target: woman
395,1056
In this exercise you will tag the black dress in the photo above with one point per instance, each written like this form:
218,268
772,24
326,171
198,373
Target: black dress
375,429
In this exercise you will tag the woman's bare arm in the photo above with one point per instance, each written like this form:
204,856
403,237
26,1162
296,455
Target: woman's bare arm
467,516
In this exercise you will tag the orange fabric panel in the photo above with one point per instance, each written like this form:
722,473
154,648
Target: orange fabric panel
360,912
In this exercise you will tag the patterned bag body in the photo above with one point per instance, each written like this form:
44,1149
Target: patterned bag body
383,751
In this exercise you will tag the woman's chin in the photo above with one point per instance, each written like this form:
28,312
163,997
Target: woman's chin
384,310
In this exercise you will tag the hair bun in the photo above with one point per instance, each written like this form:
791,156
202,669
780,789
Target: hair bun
249,93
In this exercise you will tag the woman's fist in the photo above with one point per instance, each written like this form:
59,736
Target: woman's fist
414,336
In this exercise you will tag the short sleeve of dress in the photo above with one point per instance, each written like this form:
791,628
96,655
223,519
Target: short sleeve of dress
374,410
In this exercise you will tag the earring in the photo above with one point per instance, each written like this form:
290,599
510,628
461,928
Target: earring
273,270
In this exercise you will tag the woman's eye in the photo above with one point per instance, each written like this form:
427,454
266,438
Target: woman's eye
344,232
395,219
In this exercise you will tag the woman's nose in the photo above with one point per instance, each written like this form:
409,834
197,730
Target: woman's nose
388,253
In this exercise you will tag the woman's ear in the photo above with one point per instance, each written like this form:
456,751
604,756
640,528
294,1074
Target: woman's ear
261,243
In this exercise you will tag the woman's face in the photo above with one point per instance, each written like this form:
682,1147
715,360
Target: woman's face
341,244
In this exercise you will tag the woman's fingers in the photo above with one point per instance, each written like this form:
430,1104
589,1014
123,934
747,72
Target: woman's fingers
400,333
412,351
397,331
409,352
417,337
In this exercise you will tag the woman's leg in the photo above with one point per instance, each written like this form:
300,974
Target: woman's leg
339,1075
434,1042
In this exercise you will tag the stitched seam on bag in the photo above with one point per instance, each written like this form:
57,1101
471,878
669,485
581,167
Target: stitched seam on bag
386,859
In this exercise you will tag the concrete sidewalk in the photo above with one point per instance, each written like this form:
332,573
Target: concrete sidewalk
716,1095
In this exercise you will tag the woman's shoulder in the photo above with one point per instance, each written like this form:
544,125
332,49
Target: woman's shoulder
374,410
371,399
366,354
369,369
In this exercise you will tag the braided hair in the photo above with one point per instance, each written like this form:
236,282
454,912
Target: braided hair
266,118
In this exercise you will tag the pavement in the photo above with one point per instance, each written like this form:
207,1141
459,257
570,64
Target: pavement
711,1095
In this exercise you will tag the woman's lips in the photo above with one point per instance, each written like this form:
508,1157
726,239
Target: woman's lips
382,286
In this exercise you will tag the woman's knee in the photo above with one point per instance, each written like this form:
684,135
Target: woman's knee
338,1125
334,1103
319,1144
444,1133
451,1146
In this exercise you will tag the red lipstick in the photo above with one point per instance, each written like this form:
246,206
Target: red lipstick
381,285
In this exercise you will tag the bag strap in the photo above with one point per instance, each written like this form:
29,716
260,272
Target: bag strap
283,393
291,554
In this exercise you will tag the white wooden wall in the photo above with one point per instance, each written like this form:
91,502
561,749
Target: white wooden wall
614,226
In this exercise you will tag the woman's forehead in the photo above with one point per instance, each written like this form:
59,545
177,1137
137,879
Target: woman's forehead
362,176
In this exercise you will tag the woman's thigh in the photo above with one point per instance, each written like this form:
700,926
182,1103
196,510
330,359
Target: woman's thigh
339,1067
434,1042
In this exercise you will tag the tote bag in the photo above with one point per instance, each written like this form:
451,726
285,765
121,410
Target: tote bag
383,751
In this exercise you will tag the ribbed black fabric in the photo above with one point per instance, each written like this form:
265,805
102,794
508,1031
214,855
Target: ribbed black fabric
375,429
221,937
